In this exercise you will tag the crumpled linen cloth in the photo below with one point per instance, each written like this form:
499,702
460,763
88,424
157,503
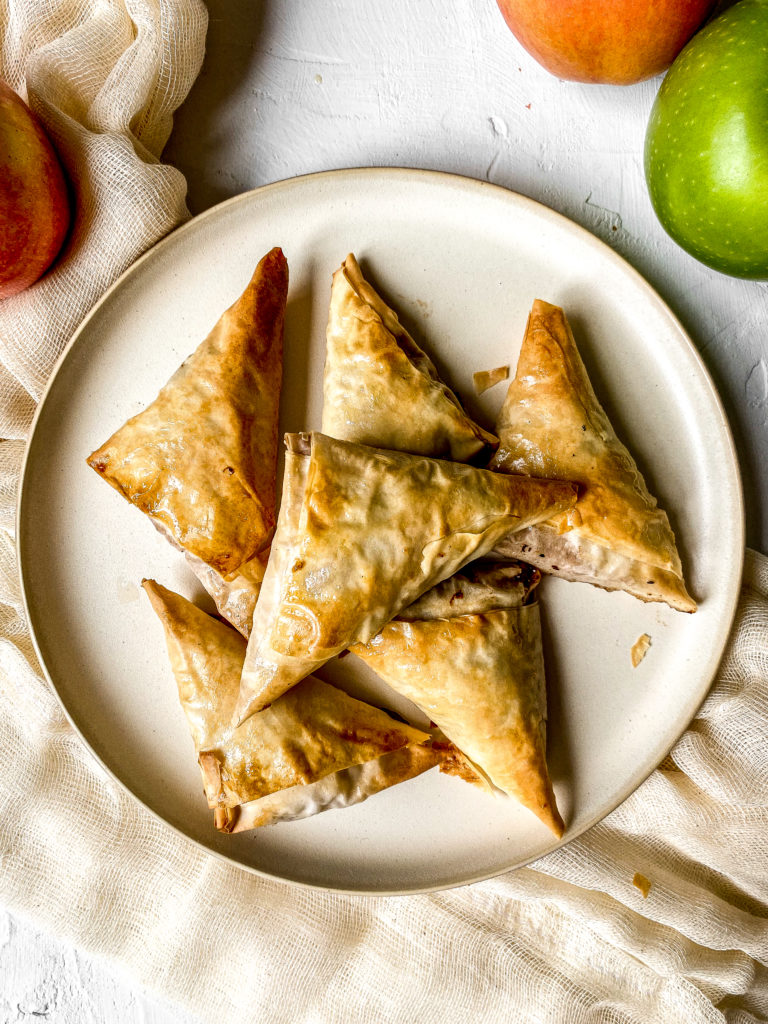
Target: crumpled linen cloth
568,940
105,77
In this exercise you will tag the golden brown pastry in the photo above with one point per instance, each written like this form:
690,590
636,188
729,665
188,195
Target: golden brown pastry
380,389
552,425
235,597
313,749
469,655
361,534
201,459
343,788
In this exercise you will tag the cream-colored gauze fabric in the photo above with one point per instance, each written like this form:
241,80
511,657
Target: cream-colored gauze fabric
105,77
569,940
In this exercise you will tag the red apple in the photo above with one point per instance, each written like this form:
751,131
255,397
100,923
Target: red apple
616,42
34,205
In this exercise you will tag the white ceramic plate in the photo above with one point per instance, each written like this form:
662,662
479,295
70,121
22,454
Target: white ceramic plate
462,261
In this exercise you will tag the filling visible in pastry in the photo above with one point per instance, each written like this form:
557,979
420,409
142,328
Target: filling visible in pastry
469,655
361,534
380,389
313,749
201,459
479,587
552,425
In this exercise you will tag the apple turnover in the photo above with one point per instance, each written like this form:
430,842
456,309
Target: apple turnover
361,534
552,425
469,654
315,748
380,388
200,461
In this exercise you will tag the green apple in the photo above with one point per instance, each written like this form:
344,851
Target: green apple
706,148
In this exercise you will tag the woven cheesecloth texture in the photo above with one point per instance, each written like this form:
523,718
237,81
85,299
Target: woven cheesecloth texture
568,940
105,77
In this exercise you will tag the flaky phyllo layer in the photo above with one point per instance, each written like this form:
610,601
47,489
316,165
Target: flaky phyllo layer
235,596
380,388
362,533
200,461
469,655
313,749
552,425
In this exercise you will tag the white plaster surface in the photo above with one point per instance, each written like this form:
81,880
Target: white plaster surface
293,86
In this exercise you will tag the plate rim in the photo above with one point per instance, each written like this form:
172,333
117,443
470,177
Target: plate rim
541,210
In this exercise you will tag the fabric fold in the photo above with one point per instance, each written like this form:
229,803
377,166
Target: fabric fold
470,656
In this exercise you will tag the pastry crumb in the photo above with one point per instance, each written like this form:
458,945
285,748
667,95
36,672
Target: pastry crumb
641,882
640,649
485,379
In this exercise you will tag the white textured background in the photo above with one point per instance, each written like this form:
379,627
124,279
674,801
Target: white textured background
294,86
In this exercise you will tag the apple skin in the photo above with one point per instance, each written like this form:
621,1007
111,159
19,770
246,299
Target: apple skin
34,203
706,146
613,42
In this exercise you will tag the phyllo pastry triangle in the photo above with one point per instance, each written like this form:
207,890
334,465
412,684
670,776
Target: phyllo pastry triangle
552,425
469,655
313,749
361,534
201,459
380,389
